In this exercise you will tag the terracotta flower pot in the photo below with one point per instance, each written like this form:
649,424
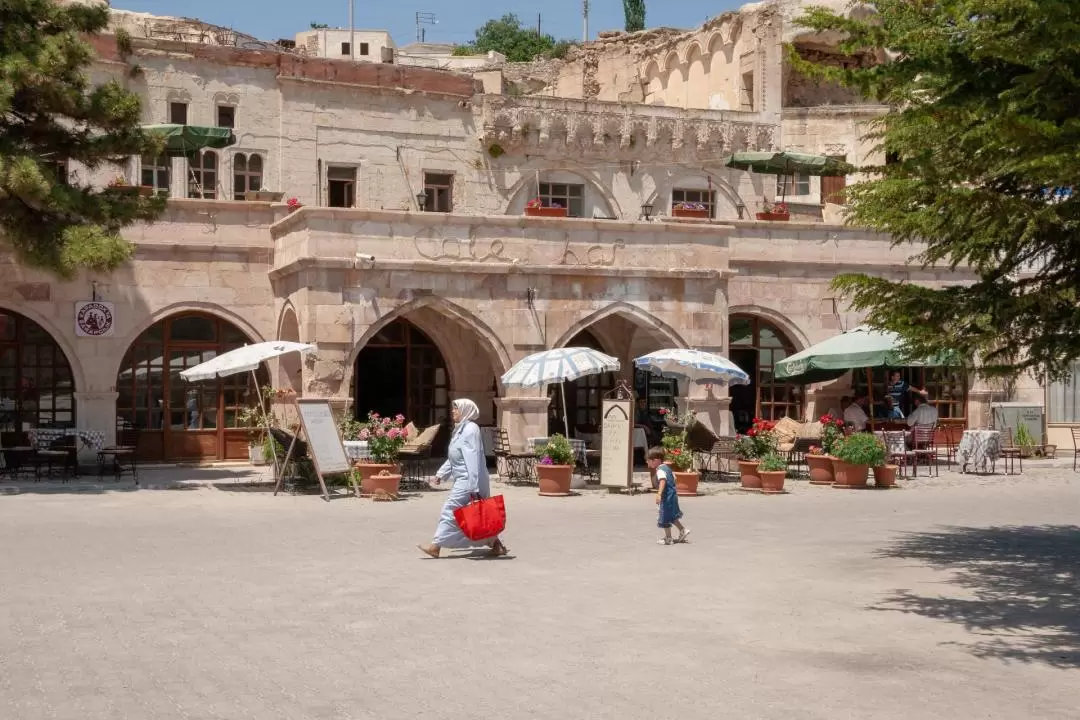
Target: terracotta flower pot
772,481
774,217
885,476
748,475
372,477
688,213
554,479
385,483
850,476
821,469
686,483
545,212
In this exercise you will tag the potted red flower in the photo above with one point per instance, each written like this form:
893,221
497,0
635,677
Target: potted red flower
819,459
758,442
775,212
690,210
294,204
681,460
536,208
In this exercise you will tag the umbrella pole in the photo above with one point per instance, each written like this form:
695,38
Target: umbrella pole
565,417
266,421
870,393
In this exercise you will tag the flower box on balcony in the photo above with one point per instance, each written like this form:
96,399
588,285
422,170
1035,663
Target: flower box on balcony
545,212
688,213
774,216
263,196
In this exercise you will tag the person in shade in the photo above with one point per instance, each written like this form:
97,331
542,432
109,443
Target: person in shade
466,467
667,499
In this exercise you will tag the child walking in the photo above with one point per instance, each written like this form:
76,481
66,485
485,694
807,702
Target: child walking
666,498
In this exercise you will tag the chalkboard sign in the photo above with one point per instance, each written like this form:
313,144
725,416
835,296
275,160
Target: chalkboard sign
616,456
324,441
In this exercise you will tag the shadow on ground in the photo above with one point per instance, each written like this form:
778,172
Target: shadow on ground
1022,586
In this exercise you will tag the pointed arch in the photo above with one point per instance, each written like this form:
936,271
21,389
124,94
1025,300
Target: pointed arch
793,332
242,323
632,313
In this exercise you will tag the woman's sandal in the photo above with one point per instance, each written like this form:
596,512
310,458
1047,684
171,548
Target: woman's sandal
498,549
429,550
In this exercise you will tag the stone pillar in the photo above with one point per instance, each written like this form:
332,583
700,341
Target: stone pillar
95,411
711,410
523,417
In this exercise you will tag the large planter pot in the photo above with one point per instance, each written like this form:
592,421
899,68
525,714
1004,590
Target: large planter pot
748,475
772,481
821,469
685,213
885,476
373,476
686,483
545,212
850,476
554,479
774,217
256,454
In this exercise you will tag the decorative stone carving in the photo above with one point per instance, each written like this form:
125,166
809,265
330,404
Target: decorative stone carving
595,255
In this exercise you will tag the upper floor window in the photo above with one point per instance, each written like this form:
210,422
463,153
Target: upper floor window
746,92
571,197
702,197
155,173
438,188
341,186
226,116
58,169
178,113
346,49
203,175
797,184
247,174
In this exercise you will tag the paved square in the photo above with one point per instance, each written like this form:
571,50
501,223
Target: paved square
953,598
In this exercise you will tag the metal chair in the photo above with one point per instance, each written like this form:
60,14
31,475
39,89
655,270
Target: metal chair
897,452
1011,453
797,454
717,460
1076,446
513,466
62,451
924,448
415,458
123,455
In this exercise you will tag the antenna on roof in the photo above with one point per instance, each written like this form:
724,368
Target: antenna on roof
422,19
585,19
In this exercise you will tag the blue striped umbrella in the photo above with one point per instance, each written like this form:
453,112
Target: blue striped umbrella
559,366
694,365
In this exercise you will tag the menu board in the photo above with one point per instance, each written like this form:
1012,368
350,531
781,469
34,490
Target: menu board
324,440
617,449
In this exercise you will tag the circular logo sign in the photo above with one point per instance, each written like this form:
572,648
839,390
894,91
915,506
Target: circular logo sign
94,318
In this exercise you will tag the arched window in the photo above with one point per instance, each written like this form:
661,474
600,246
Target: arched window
756,345
247,174
203,175
36,385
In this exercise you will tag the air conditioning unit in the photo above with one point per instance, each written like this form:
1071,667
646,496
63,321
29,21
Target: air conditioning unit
1013,415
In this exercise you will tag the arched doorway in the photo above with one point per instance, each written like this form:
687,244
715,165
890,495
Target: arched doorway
401,370
178,420
756,345
584,396
37,389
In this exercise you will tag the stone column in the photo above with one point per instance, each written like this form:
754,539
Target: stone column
522,417
95,411
710,409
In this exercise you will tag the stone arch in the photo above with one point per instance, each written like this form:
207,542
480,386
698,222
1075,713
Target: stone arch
723,187
764,338
77,376
716,40
697,77
632,312
671,61
691,52
205,308
781,321
569,166
290,367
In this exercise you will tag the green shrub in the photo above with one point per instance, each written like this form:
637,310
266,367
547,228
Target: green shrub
557,451
861,449
772,463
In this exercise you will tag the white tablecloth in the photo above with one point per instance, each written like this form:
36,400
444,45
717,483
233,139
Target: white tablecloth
356,449
41,438
979,448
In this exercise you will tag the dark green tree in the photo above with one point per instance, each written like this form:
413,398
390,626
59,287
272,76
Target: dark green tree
634,11
985,130
518,43
50,116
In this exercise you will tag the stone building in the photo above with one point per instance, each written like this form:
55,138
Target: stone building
428,174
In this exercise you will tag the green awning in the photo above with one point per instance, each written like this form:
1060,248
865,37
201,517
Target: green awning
862,347
787,163
187,140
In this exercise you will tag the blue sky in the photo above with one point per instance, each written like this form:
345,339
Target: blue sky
273,19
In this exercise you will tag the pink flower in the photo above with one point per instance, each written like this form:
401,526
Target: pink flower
380,433
400,419
405,433
394,434
387,422
364,434
546,461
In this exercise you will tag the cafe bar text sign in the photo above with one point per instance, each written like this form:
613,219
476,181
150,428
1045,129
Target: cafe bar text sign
617,450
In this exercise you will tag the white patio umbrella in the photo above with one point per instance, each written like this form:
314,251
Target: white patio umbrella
246,359
559,366
696,366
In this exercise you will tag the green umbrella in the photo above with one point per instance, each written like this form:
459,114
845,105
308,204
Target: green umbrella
862,347
789,163
187,140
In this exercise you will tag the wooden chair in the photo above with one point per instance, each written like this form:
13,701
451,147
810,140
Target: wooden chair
924,448
947,441
1010,453
514,467
123,456
717,461
1076,446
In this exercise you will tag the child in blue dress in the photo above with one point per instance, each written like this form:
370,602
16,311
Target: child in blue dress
666,498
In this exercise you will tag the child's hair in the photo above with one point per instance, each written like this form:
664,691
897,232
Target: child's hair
655,453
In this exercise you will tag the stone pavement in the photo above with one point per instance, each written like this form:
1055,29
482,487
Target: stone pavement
954,598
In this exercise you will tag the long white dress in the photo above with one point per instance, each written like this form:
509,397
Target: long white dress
466,466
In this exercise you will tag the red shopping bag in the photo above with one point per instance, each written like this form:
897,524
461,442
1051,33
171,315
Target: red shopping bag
483,518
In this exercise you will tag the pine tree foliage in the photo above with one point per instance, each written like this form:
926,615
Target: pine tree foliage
984,147
634,12
50,116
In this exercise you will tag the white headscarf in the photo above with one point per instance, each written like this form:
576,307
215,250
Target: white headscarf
467,411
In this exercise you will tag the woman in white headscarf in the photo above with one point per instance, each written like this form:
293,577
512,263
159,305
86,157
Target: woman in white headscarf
466,466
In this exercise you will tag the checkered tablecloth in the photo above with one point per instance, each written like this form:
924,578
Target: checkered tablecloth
578,446
979,449
41,438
